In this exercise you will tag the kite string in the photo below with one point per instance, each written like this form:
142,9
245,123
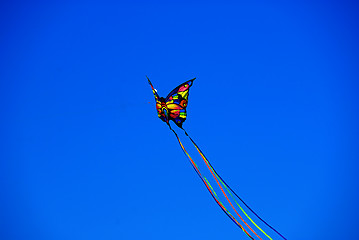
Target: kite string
220,186
215,175
243,210
194,165
211,169
225,184
209,187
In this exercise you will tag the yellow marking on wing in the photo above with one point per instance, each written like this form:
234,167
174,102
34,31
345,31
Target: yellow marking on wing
184,94
173,106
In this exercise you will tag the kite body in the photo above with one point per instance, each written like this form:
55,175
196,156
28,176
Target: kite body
173,107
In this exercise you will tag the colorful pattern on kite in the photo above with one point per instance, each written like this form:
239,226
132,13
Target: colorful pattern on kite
173,107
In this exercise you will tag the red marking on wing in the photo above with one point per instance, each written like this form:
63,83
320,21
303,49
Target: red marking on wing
183,103
174,113
183,88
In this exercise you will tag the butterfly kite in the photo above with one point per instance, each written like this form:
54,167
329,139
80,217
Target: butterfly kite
173,107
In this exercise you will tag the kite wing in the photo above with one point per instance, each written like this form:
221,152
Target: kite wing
177,101
160,113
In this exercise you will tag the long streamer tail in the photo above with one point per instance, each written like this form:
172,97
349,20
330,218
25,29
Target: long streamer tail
227,186
209,187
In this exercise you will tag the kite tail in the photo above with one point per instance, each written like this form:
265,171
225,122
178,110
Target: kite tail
209,187
227,186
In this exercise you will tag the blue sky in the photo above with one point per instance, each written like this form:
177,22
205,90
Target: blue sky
274,108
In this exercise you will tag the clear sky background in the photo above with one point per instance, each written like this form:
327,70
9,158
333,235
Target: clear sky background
274,107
